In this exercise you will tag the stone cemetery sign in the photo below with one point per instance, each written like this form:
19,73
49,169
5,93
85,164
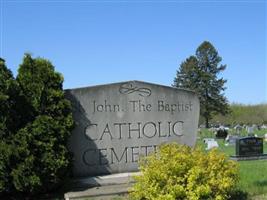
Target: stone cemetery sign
117,123
249,146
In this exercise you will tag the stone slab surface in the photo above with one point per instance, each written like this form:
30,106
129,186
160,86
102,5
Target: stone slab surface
113,179
256,157
100,193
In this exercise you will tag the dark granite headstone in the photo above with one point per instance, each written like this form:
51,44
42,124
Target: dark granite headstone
249,146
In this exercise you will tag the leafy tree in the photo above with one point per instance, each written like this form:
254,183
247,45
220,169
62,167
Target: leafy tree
200,73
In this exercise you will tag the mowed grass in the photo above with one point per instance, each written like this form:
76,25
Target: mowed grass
253,177
253,174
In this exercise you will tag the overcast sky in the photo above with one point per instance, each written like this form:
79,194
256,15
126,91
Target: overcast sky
99,42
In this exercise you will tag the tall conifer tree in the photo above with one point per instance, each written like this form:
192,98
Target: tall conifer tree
200,73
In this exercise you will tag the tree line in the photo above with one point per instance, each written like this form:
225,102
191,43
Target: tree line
243,114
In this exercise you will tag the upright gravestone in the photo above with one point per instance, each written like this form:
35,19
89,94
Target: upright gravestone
231,139
238,129
250,130
117,123
249,146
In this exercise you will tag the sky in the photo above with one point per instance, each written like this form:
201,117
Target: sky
100,42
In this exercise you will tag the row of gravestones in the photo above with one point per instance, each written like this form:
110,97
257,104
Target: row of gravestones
222,132
244,146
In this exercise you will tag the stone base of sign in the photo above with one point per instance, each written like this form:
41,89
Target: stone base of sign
254,157
100,193
101,187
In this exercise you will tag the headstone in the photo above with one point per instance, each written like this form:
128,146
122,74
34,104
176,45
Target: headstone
249,146
250,130
255,127
212,144
206,140
231,139
265,137
238,129
117,123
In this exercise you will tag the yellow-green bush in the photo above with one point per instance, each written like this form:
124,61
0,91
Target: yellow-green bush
181,172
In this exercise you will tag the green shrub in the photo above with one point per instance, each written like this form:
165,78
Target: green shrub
179,172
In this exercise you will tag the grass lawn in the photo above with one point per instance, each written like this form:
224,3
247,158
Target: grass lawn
253,177
253,174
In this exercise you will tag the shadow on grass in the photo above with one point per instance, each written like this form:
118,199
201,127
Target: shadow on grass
239,195
261,183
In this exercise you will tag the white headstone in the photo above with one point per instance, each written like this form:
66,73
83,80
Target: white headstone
250,130
212,144
206,140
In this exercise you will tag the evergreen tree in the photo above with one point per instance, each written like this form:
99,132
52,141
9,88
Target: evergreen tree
13,116
5,150
42,158
200,73
6,79
35,124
